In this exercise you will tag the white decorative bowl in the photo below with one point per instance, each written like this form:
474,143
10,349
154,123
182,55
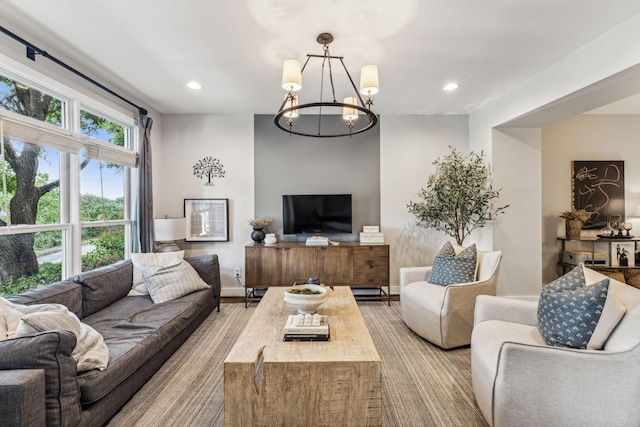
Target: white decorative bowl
306,304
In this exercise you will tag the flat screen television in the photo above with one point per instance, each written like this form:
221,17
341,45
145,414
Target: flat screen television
316,214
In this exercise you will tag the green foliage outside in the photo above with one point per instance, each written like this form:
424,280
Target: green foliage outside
457,198
109,248
48,273
108,241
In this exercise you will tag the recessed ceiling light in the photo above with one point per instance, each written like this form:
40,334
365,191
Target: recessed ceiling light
194,85
450,86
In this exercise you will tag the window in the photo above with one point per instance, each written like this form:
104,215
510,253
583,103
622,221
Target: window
42,211
104,180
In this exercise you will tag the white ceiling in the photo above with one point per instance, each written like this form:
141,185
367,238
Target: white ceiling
151,48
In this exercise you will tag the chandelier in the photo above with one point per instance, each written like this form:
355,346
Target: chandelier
356,112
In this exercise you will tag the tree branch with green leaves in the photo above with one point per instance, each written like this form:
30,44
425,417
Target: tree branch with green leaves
458,196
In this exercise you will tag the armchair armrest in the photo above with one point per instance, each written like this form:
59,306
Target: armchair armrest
413,274
490,307
51,352
551,377
22,397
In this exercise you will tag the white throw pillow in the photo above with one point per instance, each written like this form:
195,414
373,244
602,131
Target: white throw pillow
160,259
90,352
3,322
9,319
172,281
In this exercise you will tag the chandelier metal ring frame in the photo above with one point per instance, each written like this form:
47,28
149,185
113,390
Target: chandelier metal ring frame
291,111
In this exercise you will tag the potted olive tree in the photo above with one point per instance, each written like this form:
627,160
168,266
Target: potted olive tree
457,197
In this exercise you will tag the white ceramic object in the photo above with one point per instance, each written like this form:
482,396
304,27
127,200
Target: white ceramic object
306,304
270,239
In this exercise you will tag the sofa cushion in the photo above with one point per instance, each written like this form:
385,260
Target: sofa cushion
90,351
173,281
208,268
103,286
135,329
66,292
139,259
572,314
449,268
50,351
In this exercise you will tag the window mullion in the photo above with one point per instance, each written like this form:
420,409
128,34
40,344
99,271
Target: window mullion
73,248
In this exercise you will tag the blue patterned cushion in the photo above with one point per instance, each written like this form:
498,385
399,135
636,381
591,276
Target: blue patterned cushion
449,268
570,312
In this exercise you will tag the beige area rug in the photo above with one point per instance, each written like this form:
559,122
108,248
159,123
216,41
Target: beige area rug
422,385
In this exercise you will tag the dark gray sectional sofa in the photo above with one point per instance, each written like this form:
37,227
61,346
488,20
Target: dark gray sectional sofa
39,384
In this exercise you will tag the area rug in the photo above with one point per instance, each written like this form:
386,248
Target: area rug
422,385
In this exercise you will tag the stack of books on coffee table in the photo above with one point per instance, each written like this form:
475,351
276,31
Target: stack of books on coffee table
306,327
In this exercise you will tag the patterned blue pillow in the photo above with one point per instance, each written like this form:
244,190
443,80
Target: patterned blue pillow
569,311
449,268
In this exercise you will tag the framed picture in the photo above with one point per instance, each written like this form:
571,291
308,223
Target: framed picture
623,254
598,187
207,220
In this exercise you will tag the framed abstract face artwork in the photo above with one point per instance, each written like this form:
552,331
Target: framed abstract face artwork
598,186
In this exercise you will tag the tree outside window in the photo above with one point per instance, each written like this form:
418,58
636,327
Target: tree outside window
32,195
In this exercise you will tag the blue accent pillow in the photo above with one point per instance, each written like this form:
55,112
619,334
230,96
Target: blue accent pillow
570,311
449,268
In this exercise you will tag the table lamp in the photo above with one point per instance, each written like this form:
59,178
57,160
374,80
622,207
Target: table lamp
167,231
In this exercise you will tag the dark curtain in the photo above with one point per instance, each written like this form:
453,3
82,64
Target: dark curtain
143,224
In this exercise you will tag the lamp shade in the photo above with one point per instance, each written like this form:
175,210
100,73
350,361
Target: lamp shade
292,75
349,113
369,84
169,229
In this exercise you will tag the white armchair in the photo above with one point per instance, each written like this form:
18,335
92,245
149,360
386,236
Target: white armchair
518,380
443,315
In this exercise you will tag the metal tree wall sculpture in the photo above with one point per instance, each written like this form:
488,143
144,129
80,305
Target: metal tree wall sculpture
210,168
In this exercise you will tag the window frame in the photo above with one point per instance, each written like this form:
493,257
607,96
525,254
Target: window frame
70,225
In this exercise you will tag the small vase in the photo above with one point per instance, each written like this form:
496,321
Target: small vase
270,239
257,235
573,228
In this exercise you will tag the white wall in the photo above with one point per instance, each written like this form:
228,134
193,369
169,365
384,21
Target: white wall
584,137
516,171
186,139
557,91
408,147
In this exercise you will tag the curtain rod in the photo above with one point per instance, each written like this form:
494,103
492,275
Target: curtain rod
33,50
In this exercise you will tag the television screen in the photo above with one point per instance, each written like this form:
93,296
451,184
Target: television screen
316,214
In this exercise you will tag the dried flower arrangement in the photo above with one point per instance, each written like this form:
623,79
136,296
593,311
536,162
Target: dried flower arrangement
259,222
581,214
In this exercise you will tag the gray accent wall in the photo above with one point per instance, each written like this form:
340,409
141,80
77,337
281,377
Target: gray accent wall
291,164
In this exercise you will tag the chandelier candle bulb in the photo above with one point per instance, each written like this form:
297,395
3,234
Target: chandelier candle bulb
350,110
292,75
349,113
291,101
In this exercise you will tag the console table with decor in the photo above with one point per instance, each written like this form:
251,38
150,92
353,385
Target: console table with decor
359,266
593,258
